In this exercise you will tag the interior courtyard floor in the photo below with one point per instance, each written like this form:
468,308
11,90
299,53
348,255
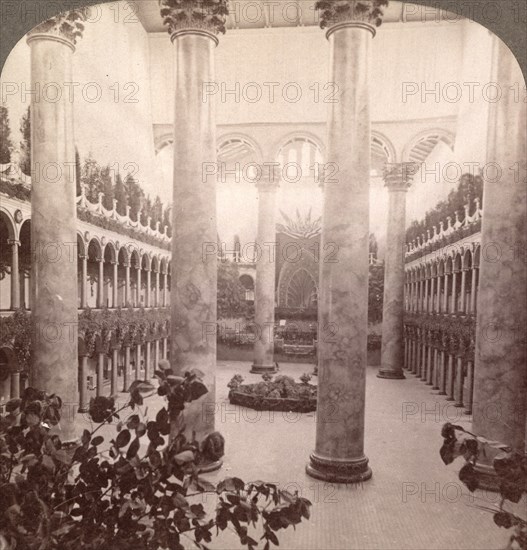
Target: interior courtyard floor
413,501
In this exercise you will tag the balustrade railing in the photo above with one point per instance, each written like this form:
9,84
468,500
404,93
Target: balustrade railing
439,236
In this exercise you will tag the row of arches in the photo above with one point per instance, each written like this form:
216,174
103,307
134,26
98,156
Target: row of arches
448,284
306,149
110,274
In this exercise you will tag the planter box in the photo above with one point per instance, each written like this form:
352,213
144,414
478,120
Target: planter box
260,403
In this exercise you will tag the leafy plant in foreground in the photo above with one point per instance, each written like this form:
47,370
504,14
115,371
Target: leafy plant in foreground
142,489
511,472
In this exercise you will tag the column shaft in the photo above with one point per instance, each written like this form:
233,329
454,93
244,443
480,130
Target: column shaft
264,300
138,293
148,292
83,388
84,281
15,275
194,275
100,374
500,374
138,362
473,290
126,373
114,374
343,300
115,288
100,286
127,294
54,222
397,181
458,388
148,360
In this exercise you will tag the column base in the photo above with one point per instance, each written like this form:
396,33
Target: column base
467,412
263,369
208,467
338,471
442,393
391,374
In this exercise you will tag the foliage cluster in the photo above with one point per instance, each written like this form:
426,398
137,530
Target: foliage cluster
141,488
510,467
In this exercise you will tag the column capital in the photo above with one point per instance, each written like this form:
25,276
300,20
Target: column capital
194,17
13,242
398,175
336,14
66,27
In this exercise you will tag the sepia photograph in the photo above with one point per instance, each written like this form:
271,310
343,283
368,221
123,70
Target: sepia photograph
263,275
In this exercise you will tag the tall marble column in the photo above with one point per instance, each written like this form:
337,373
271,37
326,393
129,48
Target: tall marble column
343,301
397,179
264,296
500,375
193,31
15,275
53,199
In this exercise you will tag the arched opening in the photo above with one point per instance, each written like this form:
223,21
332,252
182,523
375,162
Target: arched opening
122,263
7,277
248,284
94,295
302,290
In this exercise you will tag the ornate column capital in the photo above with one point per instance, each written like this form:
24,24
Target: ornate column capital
13,242
205,17
66,27
335,14
398,176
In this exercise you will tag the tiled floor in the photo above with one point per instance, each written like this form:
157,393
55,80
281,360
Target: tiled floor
413,501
